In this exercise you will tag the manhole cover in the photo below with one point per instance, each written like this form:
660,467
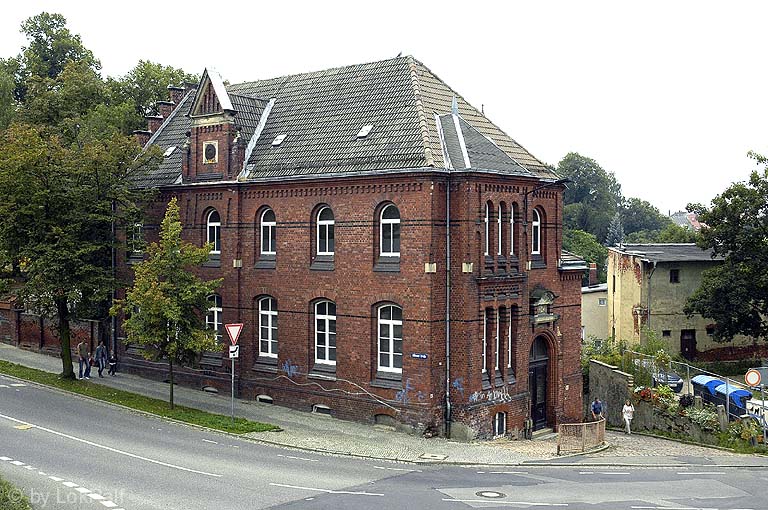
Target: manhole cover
490,494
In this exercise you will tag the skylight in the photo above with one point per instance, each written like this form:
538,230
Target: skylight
364,131
278,140
169,151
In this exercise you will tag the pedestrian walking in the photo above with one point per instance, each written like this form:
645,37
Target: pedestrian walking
101,358
112,363
84,360
628,412
597,409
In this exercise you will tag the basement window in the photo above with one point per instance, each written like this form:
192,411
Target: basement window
278,140
321,409
264,399
364,131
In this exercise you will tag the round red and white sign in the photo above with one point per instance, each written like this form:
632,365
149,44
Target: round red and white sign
752,377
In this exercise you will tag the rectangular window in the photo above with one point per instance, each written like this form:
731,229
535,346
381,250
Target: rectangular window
325,333
602,301
268,327
390,344
674,276
485,342
496,364
666,332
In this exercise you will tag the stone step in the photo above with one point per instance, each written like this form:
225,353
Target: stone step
543,434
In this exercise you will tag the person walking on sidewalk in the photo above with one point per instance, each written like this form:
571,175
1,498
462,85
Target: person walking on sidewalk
112,363
101,358
597,409
84,360
628,412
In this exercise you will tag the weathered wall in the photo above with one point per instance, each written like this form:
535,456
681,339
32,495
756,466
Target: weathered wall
594,317
612,386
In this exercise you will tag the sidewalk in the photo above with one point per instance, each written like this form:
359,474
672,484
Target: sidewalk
326,434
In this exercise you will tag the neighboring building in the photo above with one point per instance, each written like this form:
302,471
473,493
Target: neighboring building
687,220
326,196
594,313
648,286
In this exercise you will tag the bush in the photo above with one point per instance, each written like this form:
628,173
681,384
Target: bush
12,498
687,401
705,418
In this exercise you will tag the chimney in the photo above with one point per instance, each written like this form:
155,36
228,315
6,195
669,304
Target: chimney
175,94
592,274
142,137
154,122
165,108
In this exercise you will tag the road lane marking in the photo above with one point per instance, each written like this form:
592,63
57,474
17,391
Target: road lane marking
297,458
95,497
496,502
398,469
55,478
508,472
4,459
17,385
327,491
110,449
108,504
17,463
71,485
82,490
702,473
604,473
209,441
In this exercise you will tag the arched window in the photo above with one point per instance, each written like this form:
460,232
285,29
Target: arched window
214,231
268,327
325,332
499,228
536,233
213,319
487,229
390,328
325,234
268,233
389,233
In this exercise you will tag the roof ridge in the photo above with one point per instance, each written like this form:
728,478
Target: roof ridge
421,116
426,68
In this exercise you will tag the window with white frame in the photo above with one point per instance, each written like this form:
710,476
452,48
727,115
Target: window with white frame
325,332
213,223
389,233
512,230
485,342
390,322
325,233
487,230
536,233
496,345
213,319
509,339
499,228
499,425
268,327
137,239
268,233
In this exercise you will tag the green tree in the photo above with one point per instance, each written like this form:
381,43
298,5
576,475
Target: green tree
7,100
167,302
592,197
673,233
735,293
637,215
586,246
615,233
58,202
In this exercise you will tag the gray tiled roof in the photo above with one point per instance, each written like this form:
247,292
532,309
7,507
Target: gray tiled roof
570,261
667,252
321,113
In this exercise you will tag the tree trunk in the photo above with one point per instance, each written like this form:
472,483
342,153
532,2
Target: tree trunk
170,378
64,339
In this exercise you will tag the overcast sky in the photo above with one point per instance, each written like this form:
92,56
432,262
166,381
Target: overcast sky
669,95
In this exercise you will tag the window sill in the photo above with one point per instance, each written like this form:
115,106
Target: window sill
388,380
322,263
511,376
266,263
135,258
214,260
538,262
265,364
498,380
486,381
387,265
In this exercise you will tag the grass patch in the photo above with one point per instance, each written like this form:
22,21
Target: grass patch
135,401
12,498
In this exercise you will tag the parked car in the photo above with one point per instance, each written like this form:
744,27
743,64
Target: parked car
660,376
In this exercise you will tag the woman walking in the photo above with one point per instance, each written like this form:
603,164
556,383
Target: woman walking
628,412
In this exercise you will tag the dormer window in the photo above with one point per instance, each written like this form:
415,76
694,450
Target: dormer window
364,131
169,151
278,140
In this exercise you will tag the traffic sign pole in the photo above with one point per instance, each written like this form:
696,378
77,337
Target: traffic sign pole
233,330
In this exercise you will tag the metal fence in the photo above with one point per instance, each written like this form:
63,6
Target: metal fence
580,437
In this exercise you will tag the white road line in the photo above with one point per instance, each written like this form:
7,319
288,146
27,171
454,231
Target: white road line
82,490
496,502
3,385
5,458
604,473
297,458
108,504
42,474
586,473
55,478
702,473
113,450
17,385
17,463
71,485
209,441
96,497
327,491
398,469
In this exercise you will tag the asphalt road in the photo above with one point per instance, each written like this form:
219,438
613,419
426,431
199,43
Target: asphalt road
81,454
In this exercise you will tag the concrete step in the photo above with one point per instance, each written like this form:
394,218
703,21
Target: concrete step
543,434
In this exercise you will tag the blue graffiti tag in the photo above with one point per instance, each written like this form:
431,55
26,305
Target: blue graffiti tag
458,385
290,369
402,395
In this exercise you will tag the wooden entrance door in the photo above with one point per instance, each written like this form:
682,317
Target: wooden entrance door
538,366
688,343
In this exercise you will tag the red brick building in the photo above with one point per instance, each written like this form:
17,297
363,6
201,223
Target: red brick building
327,197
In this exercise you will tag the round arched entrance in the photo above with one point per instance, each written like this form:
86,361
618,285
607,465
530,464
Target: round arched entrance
538,364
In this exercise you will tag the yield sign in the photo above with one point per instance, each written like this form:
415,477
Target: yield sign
233,330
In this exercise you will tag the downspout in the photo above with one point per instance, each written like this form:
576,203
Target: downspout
448,306
648,306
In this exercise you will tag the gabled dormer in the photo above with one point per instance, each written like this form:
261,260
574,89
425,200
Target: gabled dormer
213,149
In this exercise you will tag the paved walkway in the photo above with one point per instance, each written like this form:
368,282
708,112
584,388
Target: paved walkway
326,434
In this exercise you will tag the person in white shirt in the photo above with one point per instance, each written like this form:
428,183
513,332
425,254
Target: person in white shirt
628,412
